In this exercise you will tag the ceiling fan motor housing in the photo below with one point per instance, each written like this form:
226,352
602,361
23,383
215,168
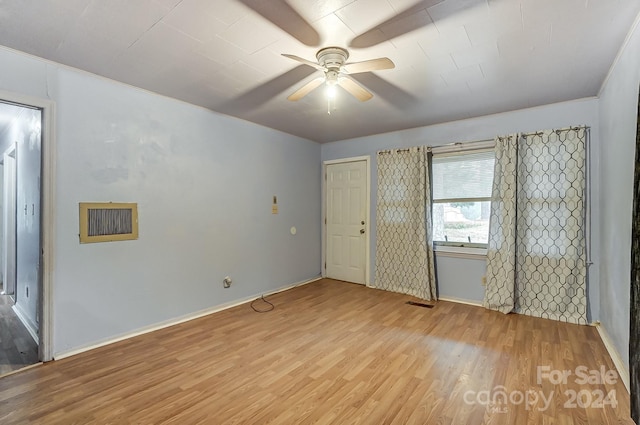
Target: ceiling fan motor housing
332,58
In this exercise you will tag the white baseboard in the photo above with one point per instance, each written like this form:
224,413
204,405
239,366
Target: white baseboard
26,322
178,320
461,301
620,365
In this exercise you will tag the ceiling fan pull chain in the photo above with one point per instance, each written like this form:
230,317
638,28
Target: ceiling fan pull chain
328,105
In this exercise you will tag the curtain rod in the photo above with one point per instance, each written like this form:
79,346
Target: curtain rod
463,146
532,133
557,130
442,148
464,143
457,145
395,150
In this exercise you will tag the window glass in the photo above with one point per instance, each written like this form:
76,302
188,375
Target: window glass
461,185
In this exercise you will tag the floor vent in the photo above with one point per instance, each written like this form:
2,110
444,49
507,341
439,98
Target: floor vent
420,304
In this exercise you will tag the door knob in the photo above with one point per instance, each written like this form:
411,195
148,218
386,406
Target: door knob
362,231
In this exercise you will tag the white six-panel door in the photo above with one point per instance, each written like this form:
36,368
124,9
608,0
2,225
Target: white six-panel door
346,189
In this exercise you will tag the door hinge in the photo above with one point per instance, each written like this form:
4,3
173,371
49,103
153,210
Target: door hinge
325,220
325,265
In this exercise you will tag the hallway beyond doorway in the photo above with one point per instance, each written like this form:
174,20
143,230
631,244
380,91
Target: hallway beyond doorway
17,347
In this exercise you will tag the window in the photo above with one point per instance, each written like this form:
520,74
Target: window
461,185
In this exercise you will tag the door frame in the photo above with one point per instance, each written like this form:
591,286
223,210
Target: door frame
367,228
47,213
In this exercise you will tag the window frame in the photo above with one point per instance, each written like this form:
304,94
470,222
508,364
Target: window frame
461,249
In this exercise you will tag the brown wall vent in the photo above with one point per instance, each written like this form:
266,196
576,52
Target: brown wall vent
108,221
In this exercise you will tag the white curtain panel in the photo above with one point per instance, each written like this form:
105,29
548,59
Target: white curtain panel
545,275
404,246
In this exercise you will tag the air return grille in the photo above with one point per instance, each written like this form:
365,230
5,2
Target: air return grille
105,222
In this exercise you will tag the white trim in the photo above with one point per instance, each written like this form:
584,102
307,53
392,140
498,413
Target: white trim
367,226
621,50
22,369
25,321
48,225
343,160
47,221
620,365
178,320
460,252
461,301
367,251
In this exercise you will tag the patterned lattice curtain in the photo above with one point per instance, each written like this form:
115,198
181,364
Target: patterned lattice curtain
536,255
404,246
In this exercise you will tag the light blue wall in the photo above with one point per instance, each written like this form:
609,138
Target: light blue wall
459,277
204,185
618,117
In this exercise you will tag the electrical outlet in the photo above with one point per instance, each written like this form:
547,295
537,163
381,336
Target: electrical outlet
226,283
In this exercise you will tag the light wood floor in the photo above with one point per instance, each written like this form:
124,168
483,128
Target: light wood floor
330,352
17,348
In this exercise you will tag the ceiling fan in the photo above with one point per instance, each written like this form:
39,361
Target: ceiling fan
332,61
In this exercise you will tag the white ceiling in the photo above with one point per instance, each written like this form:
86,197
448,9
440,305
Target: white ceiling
454,59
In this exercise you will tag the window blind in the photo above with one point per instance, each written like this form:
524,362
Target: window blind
463,176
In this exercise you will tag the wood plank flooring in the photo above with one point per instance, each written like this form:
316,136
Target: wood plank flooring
17,348
329,353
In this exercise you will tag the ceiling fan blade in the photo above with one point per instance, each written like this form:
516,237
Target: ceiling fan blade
409,20
260,95
282,15
306,89
370,65
355,89
302,60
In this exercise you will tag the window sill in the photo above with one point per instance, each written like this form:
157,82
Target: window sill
460,252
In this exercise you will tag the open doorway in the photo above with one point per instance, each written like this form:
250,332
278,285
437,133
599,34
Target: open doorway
21,242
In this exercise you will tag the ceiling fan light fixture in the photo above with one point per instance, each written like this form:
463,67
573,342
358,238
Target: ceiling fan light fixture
331,90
